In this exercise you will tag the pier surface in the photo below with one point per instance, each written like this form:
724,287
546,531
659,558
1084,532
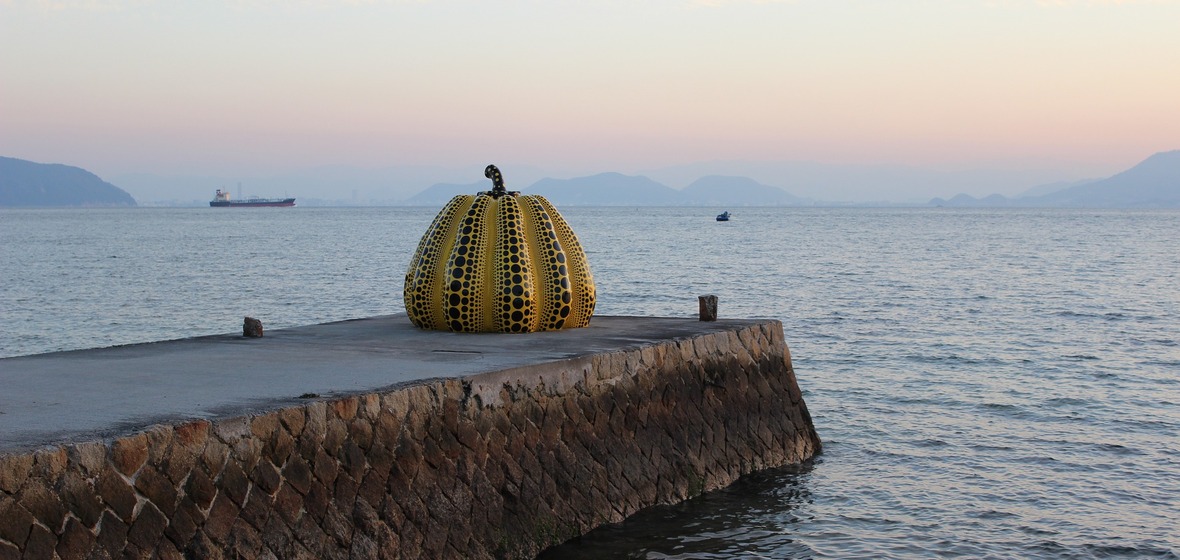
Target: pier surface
83,394
371,438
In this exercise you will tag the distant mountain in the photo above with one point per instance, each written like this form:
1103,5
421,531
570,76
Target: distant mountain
29,184
441,193
616,189
1153,183
332,184
1050,188
858,183
967,201
606,189
723,190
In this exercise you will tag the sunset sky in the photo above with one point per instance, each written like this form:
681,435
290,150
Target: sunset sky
264,86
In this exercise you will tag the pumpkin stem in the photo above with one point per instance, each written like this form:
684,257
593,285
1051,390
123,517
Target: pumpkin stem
492,172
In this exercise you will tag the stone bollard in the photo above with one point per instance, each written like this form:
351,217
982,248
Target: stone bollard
252,328
708,307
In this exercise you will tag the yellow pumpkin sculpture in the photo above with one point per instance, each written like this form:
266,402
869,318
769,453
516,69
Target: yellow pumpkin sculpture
499,261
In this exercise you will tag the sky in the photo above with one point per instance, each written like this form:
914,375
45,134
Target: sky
1088,87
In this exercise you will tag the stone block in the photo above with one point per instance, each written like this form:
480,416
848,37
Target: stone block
157,489
266,478
214,457
75,542
278,538
112,536
233,483
360,432
345,409
200,489
389,545
411,540
298,474
87,458
308,444
159,440
41,543
184,523
365,519
335,434
15,521
129,453
280,447
317,419
434,539
344,491
289,504
230,430
312,536
325,468
165,550
201,546
148,527
221,518
339,527
252,328
81,498
395,402
244,541
264,425
45,504
353,460
316,501
293,418
369,406
247,452
386,428
180,463
372,487
380,459
14,469
257,509
116,492
50,463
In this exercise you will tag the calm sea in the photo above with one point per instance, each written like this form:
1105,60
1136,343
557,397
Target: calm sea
987,383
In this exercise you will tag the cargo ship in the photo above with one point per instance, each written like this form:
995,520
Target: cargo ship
221,199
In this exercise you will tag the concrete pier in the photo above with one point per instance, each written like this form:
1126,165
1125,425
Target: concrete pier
373,439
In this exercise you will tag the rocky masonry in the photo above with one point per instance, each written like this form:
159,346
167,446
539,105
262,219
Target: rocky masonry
494,465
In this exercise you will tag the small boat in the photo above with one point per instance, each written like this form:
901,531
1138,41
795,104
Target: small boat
723,217
221,200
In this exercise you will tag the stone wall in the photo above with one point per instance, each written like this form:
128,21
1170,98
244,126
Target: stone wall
498,465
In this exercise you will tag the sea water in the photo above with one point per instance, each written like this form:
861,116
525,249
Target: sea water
987,383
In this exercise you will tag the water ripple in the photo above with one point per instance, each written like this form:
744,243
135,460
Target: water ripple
988,383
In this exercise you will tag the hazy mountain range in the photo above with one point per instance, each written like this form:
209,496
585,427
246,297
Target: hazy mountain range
1153,183
821,182
616,189
28,184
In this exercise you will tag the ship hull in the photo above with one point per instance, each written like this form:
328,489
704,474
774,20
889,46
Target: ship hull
277,203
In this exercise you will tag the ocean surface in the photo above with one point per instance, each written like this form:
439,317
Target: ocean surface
987,383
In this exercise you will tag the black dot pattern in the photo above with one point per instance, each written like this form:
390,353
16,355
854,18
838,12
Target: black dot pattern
499,264
512,271
423,286
551,265
465,276
581,281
